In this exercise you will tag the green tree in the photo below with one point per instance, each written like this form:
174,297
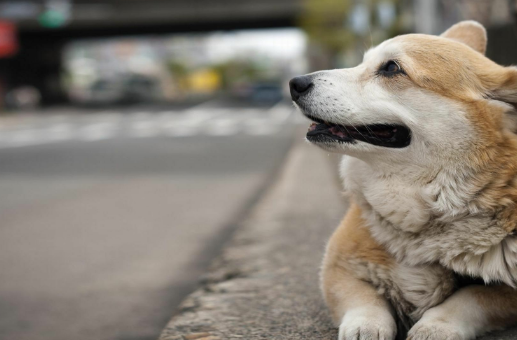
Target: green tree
325,22
328,24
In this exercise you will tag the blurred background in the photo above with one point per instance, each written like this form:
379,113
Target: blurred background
135,135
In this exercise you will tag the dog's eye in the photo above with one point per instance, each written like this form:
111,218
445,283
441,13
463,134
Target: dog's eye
390,68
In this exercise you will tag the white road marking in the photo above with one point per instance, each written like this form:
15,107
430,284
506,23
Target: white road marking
189,122
144,128
57,118
280,113
98,131
176,132
269,122
198,117
104,117
222,127
203,119
59,132
24,137
261,130
140,115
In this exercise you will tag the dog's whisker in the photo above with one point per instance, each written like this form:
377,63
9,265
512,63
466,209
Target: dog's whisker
348,121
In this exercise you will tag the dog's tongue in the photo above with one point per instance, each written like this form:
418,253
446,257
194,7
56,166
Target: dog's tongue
337,131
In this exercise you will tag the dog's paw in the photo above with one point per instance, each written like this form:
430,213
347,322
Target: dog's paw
365,324
435,329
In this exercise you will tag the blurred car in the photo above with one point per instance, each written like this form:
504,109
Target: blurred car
266,92
24,97
140,88
103,91
128,88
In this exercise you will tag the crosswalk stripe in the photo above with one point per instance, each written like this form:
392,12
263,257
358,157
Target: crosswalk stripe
98,131
181,132
198,120
59,132
261,130
222,129
144,128
22,138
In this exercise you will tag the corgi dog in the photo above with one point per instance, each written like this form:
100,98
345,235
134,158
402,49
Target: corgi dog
428,248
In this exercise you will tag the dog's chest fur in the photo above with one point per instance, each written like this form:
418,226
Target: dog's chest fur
432,223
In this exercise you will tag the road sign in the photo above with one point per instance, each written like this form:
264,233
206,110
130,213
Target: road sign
52,19
56,13
8,39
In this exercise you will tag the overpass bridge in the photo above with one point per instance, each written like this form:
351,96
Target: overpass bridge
38,61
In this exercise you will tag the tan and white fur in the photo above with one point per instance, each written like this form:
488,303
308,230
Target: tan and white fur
444,205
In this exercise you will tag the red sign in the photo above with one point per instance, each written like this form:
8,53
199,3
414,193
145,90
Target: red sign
8,39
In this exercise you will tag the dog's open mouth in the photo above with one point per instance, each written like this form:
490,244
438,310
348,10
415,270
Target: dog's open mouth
391,136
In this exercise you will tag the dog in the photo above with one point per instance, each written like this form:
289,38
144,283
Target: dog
427,128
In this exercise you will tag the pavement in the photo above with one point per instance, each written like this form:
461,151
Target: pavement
109,217
265,285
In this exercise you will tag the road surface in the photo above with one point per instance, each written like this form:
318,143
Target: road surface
109,217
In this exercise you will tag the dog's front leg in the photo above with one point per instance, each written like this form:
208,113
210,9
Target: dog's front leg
468,313
356,306
359,311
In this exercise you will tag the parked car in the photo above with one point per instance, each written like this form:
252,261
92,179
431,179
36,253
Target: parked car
266,92
122,89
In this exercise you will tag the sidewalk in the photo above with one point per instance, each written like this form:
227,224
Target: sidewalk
265,284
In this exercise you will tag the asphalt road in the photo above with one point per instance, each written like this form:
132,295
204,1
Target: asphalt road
109,218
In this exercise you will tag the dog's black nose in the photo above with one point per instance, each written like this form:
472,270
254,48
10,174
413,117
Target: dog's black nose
299,86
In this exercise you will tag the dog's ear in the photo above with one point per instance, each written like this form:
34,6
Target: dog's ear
470,32
504,85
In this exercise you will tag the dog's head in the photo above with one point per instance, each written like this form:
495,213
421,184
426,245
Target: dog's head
416,98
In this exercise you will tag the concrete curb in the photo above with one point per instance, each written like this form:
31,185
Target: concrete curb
265,283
